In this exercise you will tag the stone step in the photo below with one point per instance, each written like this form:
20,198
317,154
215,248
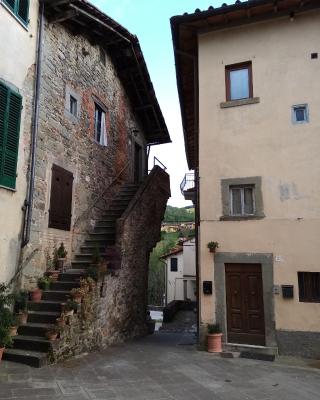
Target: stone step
83,264
91,249
251,351
64,286
105,229
34,329
71,275
43,317
34,343
55,295
102,243
102,235
44,305
32,358
87,256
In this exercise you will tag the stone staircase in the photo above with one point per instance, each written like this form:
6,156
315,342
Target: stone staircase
30,345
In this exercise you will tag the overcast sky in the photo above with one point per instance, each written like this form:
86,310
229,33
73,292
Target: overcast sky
149,20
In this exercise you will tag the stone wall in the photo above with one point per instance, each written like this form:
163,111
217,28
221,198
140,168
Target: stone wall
72,64
121,313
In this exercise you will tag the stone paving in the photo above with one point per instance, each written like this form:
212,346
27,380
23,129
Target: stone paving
163,366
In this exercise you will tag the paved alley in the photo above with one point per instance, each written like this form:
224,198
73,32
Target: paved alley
160,367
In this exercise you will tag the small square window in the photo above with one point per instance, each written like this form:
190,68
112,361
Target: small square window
300,114
174,264
309,287
239,81
73,106
242,200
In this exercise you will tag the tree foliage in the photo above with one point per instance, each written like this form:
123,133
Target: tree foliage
176,214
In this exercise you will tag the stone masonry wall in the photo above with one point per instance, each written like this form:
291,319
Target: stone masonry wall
71,62
121,313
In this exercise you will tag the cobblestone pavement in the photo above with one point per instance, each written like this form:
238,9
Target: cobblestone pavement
164,366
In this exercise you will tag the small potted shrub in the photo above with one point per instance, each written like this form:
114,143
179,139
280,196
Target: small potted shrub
69,308
5,339
13,328
77,294
214,338
213,246
52,334
20,306
36,295
52,272
61,256
61,321
92,273
44,283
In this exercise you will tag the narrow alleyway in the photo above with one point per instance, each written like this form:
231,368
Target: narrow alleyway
159,367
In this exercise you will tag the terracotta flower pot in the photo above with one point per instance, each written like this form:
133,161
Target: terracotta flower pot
61,321
60,263
1,352
212,250
36,295
13,330
22,318
69,313
54,275
214,342
51,336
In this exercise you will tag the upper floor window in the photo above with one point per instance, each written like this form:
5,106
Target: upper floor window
242,200
20,8
239,81
100,130
10,115
300,114
174,264
73,106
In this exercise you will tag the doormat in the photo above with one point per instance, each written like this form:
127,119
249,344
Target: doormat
257,356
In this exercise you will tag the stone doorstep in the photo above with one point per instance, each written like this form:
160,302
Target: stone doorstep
251,351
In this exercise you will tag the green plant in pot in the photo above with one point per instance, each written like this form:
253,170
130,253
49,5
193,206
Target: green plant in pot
44,283
69,307
20,306
213,246
52,334
214,338
6,318
61,257
51,262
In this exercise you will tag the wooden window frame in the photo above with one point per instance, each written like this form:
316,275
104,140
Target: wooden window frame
236,67
242,189
306,289
15,10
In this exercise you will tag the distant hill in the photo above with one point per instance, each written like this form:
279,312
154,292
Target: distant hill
176,214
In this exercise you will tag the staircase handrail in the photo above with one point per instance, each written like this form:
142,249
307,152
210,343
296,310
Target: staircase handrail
92,205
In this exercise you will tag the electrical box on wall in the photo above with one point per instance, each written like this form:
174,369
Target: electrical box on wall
287,291
207,287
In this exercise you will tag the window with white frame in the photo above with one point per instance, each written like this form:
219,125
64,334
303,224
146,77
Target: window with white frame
100,130
242,200
300,114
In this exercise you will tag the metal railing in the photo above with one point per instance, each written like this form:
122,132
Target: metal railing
157,162
188,183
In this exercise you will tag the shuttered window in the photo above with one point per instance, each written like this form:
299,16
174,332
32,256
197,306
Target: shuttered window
10,115
174,265
309,287
20,8
60,199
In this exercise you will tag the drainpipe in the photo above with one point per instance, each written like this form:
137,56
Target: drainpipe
34,134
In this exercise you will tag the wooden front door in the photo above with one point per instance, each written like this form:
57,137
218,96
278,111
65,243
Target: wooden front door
245,312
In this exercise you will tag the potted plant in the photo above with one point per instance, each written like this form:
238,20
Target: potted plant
61,321
52,334
5,339
52,272
13,328
69,308
77,294
20,306
36,295
44,283
212,246
6,299
214,338
61,256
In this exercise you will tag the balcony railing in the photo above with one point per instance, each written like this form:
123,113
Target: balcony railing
188,186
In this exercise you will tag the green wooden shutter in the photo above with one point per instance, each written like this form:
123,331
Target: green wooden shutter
23,10
10,114
11,4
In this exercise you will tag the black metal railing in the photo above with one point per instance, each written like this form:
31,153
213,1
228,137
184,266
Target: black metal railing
156,161
188,183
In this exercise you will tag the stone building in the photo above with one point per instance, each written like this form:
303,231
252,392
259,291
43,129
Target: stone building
247,79
98,116
18,33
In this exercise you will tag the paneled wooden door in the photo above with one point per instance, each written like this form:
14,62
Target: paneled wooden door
245,312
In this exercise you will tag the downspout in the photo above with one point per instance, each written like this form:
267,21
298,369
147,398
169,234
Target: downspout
34,134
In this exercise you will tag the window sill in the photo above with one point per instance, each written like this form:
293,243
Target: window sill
8,188
23,24
237,103
240,218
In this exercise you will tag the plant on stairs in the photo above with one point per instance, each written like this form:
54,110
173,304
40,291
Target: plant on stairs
6,300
